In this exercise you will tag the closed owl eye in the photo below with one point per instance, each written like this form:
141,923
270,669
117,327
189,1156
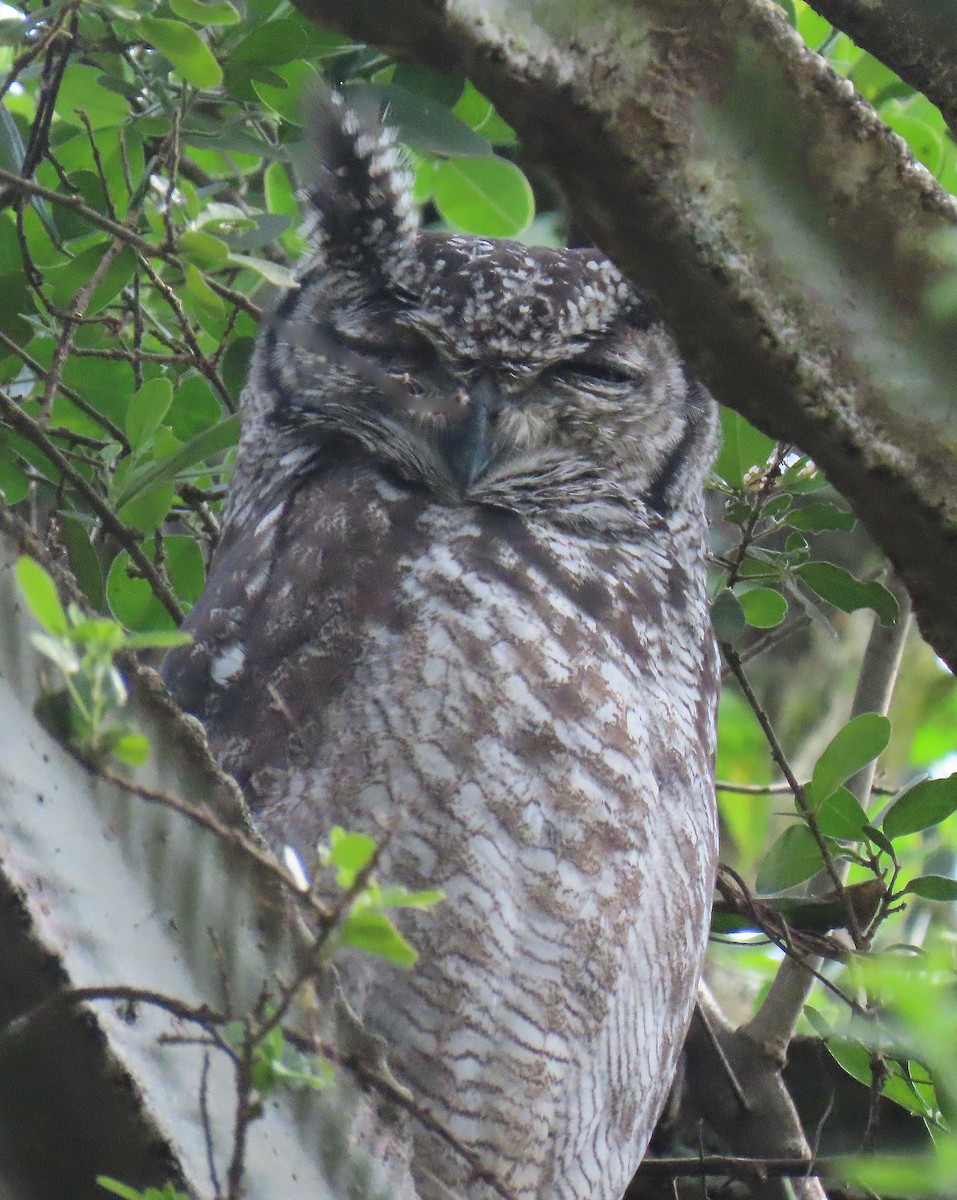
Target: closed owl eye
606,374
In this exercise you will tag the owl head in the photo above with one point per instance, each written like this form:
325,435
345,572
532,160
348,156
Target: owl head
488,372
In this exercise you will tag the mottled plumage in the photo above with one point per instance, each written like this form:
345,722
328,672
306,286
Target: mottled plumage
466,604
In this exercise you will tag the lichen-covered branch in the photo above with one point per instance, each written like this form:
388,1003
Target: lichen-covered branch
781,226
917,40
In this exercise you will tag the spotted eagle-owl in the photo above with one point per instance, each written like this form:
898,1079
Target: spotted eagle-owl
460,598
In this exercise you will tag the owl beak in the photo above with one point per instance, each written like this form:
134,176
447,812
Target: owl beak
468,438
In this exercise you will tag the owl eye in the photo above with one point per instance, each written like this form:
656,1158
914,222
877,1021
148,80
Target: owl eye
603,373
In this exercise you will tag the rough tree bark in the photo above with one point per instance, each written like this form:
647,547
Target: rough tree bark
918,40
783,229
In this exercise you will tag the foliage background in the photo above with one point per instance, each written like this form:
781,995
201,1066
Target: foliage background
150,155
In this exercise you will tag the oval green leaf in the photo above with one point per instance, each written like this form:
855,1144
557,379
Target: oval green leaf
933,887
41,596
858,743
202,247
840,815
814,518
81,88
743,448
763,607
840,588
925,804
147,408
84,562
147,512
488,196
375,934
185,49
793,858
221,12
131,599
727,616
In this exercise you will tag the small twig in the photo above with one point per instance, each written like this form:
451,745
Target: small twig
146,248
777,753
207,1124
34,432
773,1025
778,789
757,507
71,323
716,1046
207,819
737,1167
97,162
73,396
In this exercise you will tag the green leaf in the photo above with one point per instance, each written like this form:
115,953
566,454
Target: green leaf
926,143
933,887
853,747
58,651
68,280
205,301
147,409
793,858
159,639
131,748
148,510
423,81
118,1189
41,596
926,803
818,1022
293,82
875,835
350,852
198,449
763,607
191,57
221,12
840,588
727,616
479,114
814,518
423,123
272,272
375,934
743,448
131,600
397,896
853,1057
279,192
488,196
82,87
14,482
271,43
84,562
839,815
203,248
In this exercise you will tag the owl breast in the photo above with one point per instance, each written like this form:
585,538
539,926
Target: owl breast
524,717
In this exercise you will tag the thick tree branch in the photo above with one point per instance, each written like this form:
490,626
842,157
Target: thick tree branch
785,238
768,1127
918,40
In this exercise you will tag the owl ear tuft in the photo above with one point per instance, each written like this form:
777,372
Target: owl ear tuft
360,200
